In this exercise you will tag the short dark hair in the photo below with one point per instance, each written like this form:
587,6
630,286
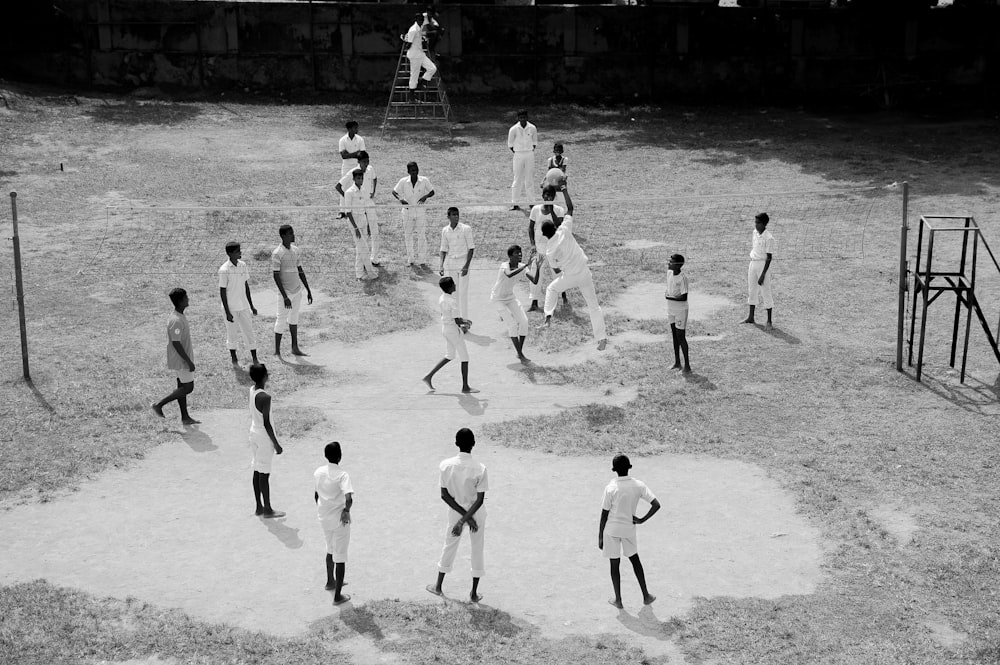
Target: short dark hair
284,229
363,155
357,172
332,452
548,228
447,284
512,249
232,246
522,112
176,295
762,218
621,463
452,209
257,372
676,258
351,123
465,439
557,144
550,192
413,164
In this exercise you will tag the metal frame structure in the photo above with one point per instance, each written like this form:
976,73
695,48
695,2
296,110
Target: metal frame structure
929,284
430,103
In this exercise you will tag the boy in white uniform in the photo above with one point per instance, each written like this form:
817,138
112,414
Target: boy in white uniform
412,192
758,277
180,357
356,203
567,258
507,304
464,484
234,289
677,310
616,533
350,146
453,328
541,213
522,139
334,497
457,246
290,278
417,57
368,187
263,443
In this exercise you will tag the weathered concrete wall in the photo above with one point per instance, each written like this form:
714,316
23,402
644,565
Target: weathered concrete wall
585,52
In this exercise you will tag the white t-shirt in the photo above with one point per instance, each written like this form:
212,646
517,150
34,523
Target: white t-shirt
763,244
562,250
457,242
233,278
332,485
464,478
350,145
287,262
538,215
411,193
621,497
503,289
415,37
449,310
367,184
355,202
522,139
676,285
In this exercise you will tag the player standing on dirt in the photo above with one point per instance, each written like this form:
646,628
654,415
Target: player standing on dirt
180,358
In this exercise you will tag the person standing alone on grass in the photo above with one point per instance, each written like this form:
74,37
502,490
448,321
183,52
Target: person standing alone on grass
758,275
234,289
355,204
464,484
350,146
453,328
457,247
507,304
263,442
616,533
567,258
368,186
412,192
180,358
290,278
334,497
677,310
522,139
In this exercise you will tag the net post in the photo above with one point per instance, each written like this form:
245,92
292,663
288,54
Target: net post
19,289
903,282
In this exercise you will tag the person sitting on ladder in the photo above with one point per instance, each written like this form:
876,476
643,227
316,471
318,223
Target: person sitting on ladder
417,57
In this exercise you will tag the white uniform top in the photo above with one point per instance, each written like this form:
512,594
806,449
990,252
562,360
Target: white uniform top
763,244
332,485
449,310
411,193
538,215
287,262
415,37
676,285
233,278
563,252
621,497
350,145
464,478
561,164
355,201
366,186
522,139
503,289
457,242
256,415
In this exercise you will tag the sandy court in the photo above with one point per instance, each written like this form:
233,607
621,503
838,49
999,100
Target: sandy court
177,529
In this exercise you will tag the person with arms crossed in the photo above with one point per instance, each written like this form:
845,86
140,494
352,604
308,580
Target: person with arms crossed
457,247
412,193
522,139
334,497
567,259
234,289
507,304
180,357
290,278
356,203
263,443
350,146
758,275
677,310
464,483
417,57
453,328
616,533
368,189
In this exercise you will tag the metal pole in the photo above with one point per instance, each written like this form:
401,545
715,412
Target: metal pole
903,280
19,289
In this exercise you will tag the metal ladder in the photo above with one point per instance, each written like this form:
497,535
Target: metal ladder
429,103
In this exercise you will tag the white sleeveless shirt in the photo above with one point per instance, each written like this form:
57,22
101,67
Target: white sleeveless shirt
256,416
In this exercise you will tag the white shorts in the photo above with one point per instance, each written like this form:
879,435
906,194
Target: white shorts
455,343
678,317
337,540
185,375
261,453
615,546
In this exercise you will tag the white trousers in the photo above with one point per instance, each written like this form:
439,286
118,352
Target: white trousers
759,293
462,288
584,281
242,323
416,63
288,317
362,254
368,223
447,561
524,178
415,223
513,316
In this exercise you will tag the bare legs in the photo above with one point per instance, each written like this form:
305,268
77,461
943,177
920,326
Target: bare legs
335,579
294,332
465,375
180,394
640,575
262,495
680,344
750,319
473,594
